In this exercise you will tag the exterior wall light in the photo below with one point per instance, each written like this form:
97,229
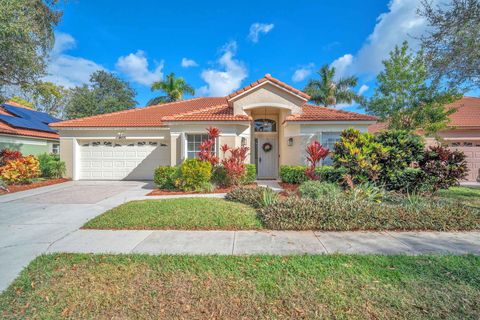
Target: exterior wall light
243,141
290,142
121,135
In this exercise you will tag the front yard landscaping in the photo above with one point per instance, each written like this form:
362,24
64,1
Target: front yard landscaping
466,195
181,213
227,287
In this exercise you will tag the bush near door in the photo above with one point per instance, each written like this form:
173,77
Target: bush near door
296,174
51,166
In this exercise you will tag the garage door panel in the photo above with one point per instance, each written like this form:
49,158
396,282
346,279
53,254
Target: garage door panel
472,153
111,160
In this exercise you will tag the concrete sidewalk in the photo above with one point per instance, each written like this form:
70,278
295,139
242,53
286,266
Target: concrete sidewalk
267,242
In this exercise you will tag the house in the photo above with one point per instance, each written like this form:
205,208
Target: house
271,117
26,130
462,133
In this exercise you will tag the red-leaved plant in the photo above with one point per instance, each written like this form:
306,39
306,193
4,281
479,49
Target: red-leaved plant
206,147
235,164
8,154
315,153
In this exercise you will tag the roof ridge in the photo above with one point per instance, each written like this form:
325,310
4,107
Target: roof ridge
332,109
192,112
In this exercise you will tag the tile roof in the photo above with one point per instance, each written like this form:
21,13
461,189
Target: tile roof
11,130
215,113
317,113
151,116
467,114
268,77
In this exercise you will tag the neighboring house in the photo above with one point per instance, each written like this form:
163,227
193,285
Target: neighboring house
463,133
27,130
267,114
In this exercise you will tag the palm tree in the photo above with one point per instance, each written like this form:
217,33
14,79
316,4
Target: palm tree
328,92
174,89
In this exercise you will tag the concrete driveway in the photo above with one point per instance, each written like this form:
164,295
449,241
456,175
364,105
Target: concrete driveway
31,221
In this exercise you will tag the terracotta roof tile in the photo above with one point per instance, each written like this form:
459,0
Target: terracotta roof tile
151,116
215,113
268,77
467,114
317,113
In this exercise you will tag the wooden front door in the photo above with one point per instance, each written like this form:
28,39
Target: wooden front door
267,161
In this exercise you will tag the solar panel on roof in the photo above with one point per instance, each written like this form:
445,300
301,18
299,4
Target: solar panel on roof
28,119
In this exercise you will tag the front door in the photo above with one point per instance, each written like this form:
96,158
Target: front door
267,157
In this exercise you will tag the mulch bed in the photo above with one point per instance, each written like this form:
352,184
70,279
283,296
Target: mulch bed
288,188
22,187
161,192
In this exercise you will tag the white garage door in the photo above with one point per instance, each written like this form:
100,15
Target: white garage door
125,160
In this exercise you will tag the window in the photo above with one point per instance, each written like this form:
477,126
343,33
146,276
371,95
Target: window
56,148
328,141
193,144
265,125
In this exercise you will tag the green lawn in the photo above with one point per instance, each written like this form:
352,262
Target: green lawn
227,287
180,213
470,196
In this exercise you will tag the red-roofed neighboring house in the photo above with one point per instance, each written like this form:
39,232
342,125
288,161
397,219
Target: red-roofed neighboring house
269,116
24,132
463,133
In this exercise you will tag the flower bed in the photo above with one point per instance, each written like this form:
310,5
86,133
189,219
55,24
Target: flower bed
165,192
36,184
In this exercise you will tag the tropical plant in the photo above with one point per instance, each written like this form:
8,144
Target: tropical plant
317,189
8,154
360,155
20,170
249,196
174,89
406,98
234,164
329,92
207,152
315,153
51,166
269,197
443,168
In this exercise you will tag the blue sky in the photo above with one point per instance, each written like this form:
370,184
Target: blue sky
219,47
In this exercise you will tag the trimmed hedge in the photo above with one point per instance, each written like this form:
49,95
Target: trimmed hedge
250,174
340,213
194,175
296,174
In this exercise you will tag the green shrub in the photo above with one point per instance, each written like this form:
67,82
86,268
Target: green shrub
165,177
194,174
315,189
250,174
408,180
366,192
269,197
443,167
51,166
360,155
296,174
342,214
250,196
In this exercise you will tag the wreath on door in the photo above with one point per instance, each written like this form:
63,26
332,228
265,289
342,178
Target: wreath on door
267,147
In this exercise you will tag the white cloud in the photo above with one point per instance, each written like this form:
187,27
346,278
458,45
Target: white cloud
67,70
303,72
186,63
258,28
363,89
400,23
341,64
230,76
135,66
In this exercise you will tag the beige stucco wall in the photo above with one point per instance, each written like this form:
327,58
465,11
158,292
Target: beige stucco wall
267,96
66,155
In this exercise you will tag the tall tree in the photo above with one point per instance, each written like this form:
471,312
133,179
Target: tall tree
105,93
26,37
174,89
452,44
328,92
406,97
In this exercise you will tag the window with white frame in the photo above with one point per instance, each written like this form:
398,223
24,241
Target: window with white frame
193,144
328,141
56,148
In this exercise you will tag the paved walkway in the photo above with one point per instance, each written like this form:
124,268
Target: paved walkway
272,184
267,242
